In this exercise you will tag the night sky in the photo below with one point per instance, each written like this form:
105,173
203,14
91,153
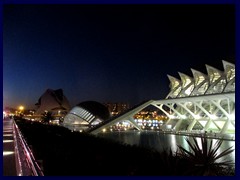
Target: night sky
109,53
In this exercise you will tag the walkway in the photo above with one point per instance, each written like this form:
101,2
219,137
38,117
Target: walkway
9,162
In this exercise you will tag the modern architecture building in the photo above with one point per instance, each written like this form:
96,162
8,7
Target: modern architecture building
204,102
86,114
53,101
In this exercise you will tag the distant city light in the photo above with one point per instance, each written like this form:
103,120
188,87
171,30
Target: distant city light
21,108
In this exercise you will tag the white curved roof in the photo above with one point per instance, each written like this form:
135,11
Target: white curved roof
175,86
229,70
199,77
174,81
213,73
187,85
52,101
215,81
186,80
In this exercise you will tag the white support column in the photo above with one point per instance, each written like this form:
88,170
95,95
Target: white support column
225,127
174,110
123,117
191,125
131,120
186,109
160,107
177,126
221,109
165,112
207,125
203,110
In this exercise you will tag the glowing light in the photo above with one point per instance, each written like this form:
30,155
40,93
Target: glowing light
104,130
4,114
6,153
169,126
184,117
7,141
172,116
21,108
5,135
232,116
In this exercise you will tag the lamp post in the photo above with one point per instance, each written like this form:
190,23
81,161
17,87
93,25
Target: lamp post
21,108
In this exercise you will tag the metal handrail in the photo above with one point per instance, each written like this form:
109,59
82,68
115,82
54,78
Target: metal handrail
28,155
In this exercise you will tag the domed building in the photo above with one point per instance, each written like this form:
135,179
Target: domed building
86,114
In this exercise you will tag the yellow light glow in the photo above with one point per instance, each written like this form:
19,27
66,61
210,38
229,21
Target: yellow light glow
7,135
7,141
5,153
21,108
104,130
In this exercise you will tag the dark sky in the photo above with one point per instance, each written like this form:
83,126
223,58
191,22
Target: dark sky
109,53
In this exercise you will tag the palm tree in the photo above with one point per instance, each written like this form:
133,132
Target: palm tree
46,117
205,161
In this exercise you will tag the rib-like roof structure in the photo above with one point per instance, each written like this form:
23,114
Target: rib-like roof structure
214,82
87,113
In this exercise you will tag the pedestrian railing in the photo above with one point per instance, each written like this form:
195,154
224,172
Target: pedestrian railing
25,161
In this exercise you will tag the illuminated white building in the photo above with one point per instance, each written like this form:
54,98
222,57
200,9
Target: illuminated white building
86,114
203,102
214,82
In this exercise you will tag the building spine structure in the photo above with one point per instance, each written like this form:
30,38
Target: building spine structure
202,102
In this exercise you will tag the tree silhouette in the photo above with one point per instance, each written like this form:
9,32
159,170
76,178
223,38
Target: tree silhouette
46,117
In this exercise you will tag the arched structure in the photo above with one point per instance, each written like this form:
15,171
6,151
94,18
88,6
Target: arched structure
86,114
203,101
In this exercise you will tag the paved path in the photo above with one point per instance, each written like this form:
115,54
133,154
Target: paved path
9,162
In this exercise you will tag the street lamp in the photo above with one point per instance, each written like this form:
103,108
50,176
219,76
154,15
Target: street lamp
21,108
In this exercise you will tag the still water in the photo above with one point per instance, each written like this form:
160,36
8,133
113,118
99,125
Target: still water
160,141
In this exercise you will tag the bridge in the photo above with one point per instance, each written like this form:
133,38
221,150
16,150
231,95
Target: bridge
204,102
